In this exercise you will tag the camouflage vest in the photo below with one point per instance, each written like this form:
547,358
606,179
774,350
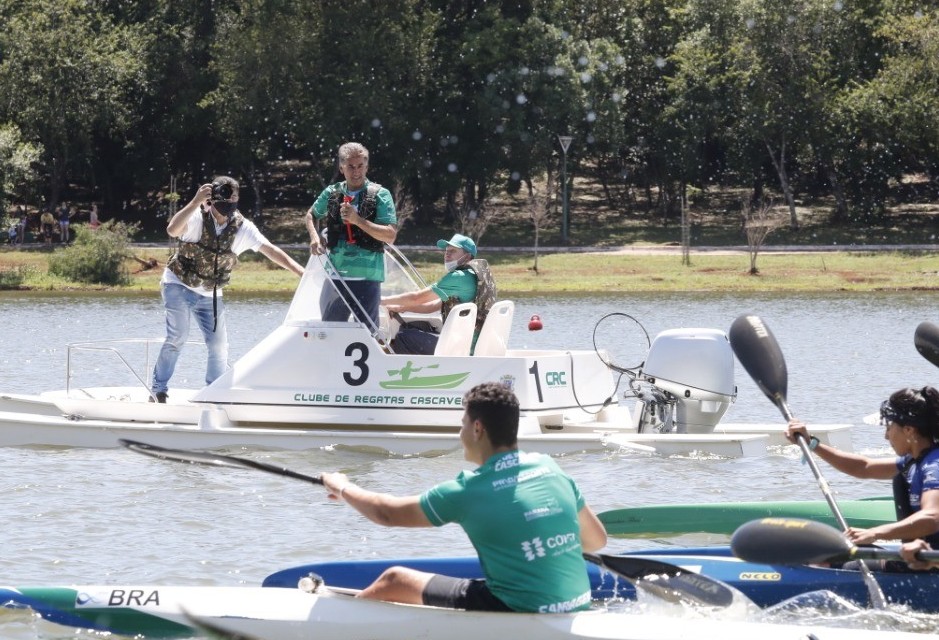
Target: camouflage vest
485,292
368,209
207,263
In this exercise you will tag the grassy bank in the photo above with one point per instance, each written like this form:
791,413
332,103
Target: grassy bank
570,272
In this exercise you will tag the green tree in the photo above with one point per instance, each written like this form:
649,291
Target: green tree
18,175
894,114
71,72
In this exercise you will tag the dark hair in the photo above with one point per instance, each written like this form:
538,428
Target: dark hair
496,407
917,408
223,188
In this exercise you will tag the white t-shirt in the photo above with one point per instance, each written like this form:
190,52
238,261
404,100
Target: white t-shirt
247,237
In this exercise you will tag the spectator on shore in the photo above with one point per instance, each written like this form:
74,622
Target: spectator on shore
65,216
93,221
22,220
46,225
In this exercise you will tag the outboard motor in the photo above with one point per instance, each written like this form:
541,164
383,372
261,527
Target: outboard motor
687,382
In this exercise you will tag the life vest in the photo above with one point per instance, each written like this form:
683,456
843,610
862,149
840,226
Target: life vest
368,209
207,263
901,496
485,292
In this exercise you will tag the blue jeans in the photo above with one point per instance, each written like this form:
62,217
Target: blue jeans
335,302
181,305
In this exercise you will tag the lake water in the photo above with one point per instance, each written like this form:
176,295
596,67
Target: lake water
72,516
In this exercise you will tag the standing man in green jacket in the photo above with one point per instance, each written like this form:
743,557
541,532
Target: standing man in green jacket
359,219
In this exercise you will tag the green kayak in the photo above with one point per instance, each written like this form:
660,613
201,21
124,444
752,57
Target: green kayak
677,519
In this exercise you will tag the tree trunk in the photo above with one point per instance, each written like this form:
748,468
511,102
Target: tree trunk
780,164
841,202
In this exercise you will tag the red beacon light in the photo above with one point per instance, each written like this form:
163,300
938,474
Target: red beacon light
534,324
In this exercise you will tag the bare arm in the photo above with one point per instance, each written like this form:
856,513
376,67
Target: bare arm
316,243
852,464
592,531
924,522
177,224
424,300
279,257
381,508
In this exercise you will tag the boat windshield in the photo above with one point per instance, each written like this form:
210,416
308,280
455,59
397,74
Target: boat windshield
400,277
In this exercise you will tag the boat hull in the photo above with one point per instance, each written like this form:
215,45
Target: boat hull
382,431
292,614
724,518
313,383
766,585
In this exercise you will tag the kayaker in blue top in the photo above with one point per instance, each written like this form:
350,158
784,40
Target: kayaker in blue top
911,419
526,518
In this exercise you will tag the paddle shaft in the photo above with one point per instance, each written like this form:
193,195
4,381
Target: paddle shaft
875,553
759,352
878,600
214,459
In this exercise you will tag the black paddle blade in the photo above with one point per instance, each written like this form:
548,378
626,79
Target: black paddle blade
926,341
757,350
180,455
670,582
212,459
790,541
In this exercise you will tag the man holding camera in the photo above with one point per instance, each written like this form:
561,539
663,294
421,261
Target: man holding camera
211,234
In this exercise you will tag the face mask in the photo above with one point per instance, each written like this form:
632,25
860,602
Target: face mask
450,265
224,207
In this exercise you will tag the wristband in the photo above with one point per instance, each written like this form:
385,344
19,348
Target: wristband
813,443
342,497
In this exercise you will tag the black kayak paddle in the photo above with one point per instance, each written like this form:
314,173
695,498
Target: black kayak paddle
664,580
796,541
758,351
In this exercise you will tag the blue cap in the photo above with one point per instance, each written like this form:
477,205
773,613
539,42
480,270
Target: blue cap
460,242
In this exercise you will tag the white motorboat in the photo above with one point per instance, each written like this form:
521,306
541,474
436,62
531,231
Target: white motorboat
313,384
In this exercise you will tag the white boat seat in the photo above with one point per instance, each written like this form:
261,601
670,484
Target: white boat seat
494,336
456,334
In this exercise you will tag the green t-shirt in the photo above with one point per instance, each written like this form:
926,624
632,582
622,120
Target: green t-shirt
459,283
520,512
350,260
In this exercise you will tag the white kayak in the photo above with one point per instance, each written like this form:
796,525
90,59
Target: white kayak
335,614
313,383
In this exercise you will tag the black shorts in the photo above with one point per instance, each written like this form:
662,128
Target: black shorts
461,593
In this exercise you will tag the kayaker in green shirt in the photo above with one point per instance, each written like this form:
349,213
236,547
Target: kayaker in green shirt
525,517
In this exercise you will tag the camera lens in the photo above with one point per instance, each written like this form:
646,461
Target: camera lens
221,191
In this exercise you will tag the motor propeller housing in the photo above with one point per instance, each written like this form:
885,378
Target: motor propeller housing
693,371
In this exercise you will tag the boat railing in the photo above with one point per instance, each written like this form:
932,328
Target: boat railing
113,347
321,282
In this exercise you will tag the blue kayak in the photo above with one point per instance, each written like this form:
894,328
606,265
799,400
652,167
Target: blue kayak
765,584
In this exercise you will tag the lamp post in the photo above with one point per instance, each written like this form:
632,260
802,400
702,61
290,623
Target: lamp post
565,143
